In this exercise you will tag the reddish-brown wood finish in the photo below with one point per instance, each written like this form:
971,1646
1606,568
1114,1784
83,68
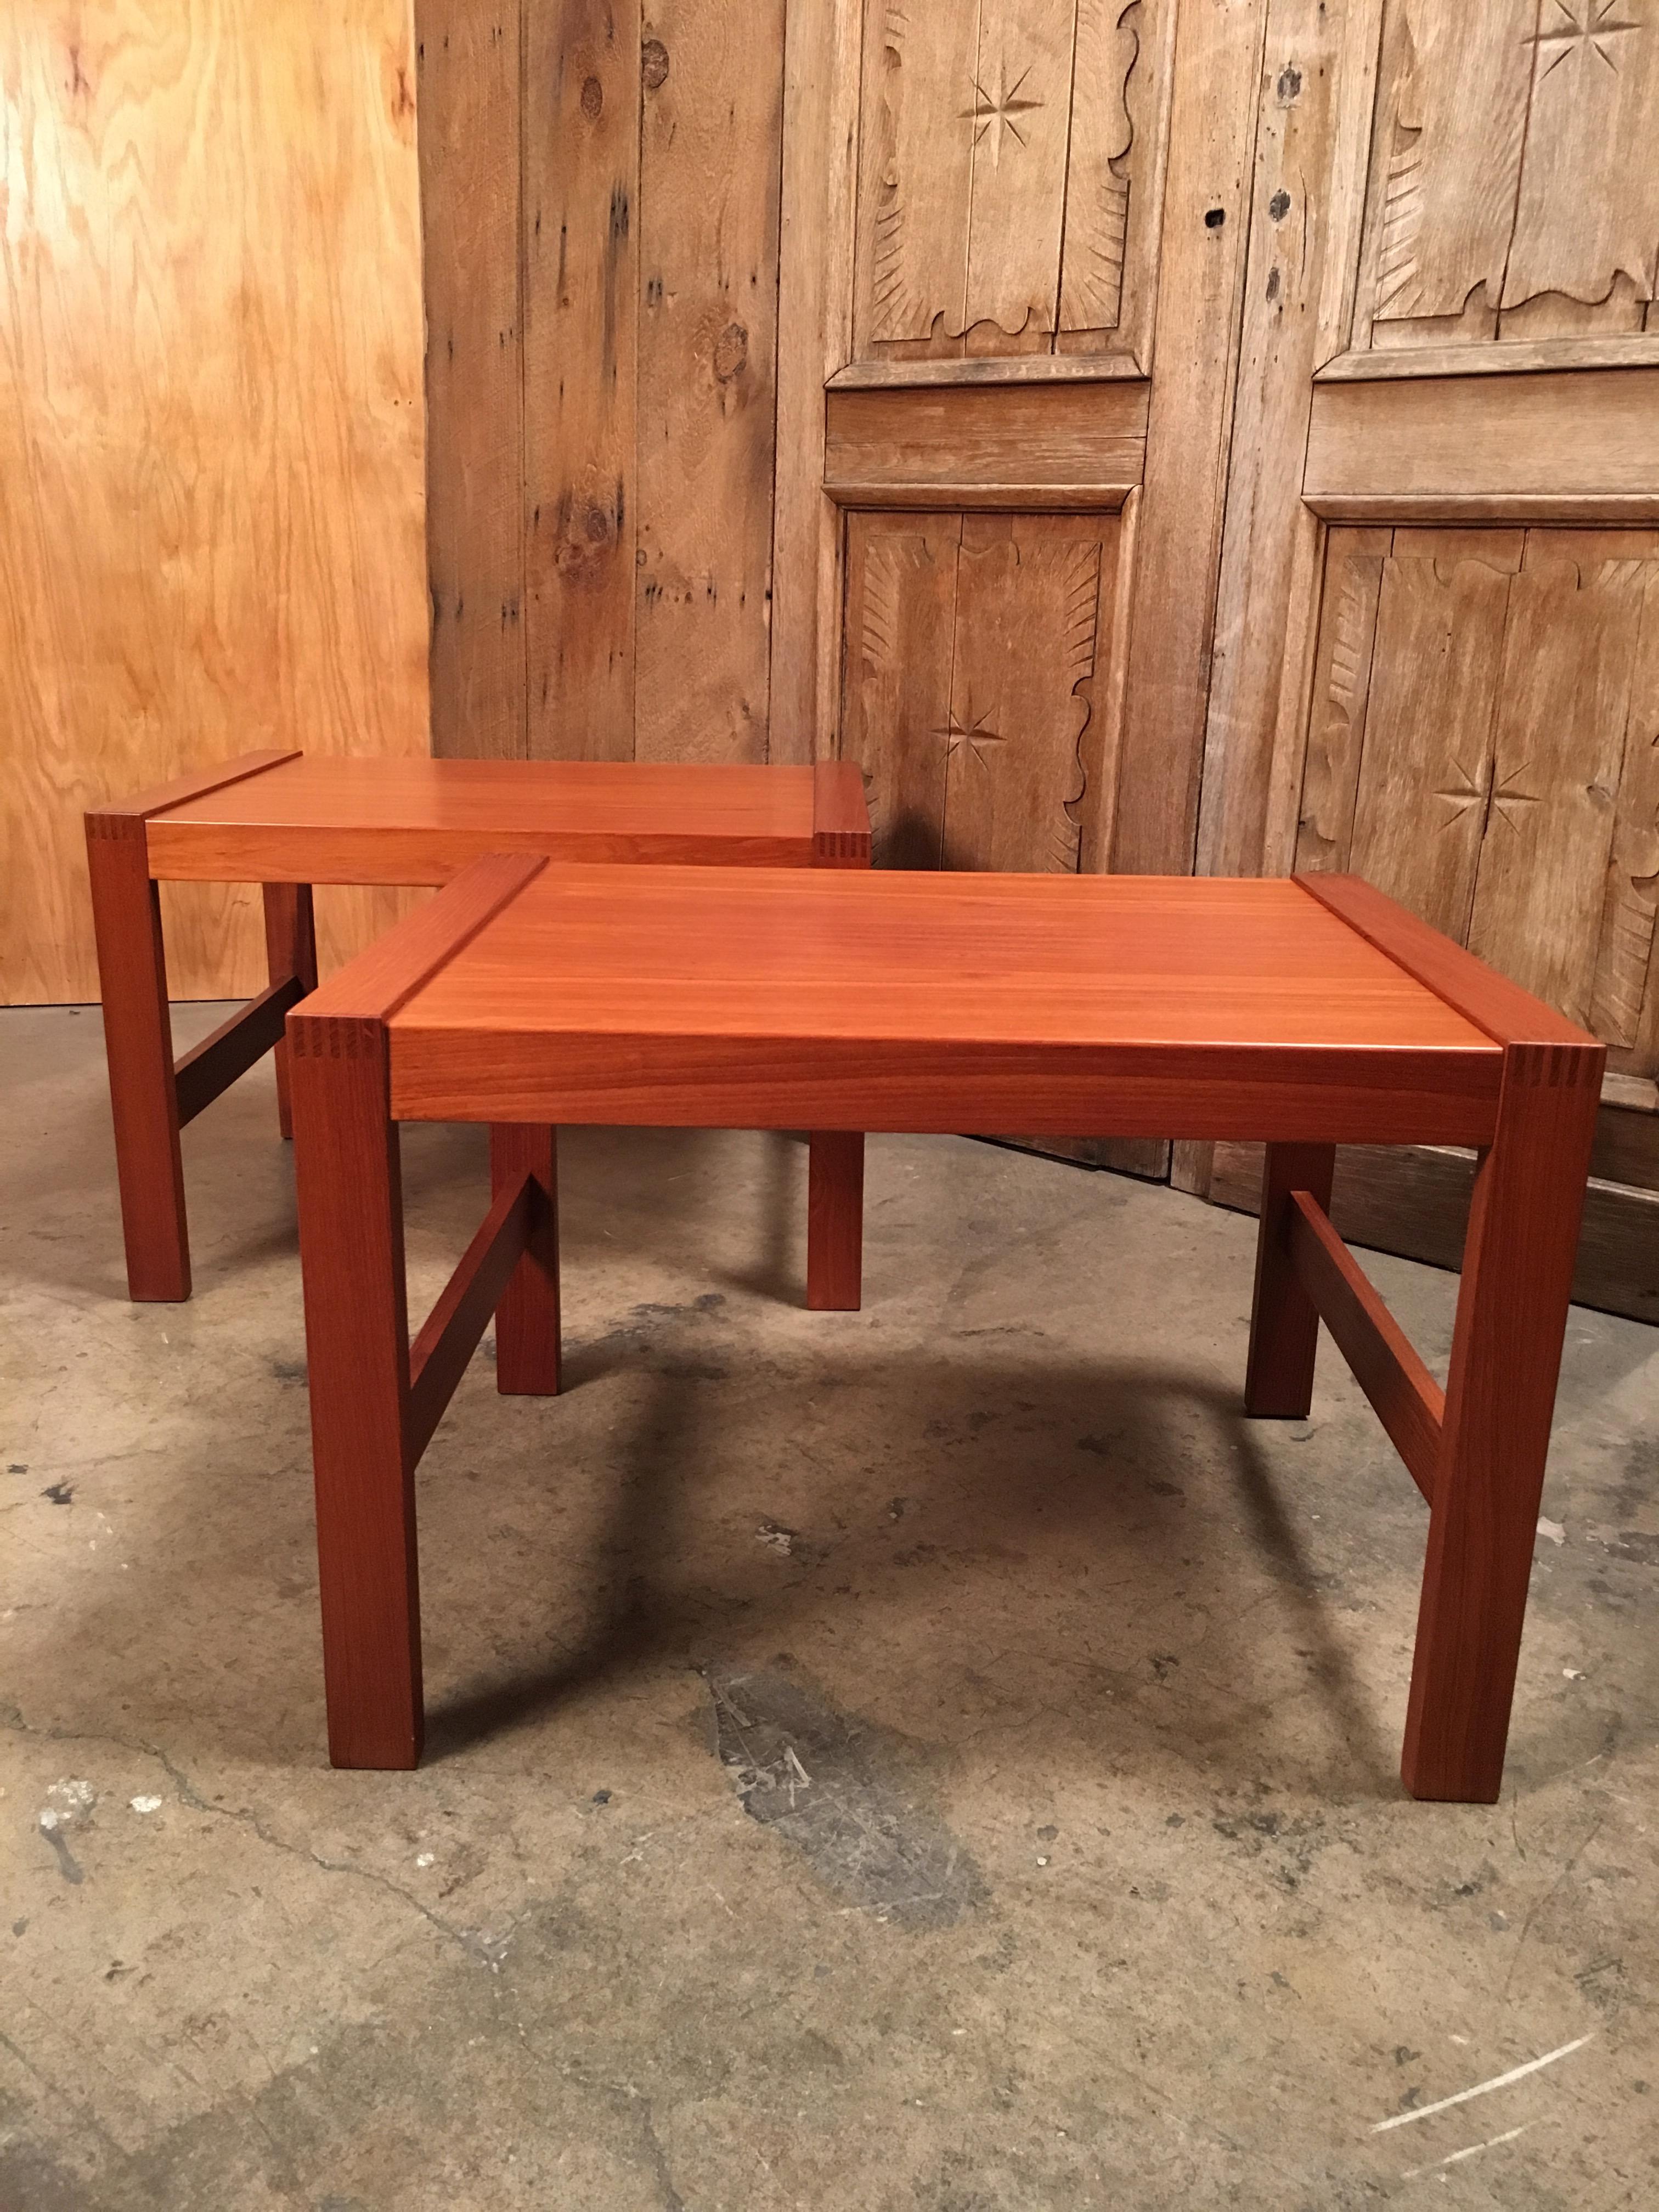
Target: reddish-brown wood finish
232,1049
1404,1396
841,815
351,1255
138,1044
839,1002
1500,1396
527,1317
449,1335
1502,1009
377,983
413,821
280,820
834,1220
1283,1320
187,790
291,949
856,1000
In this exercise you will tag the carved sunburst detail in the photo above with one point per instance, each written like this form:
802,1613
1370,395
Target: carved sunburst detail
1588,28
999,113
973,734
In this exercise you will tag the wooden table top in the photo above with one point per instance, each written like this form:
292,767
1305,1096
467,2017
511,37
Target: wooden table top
768,998
940,957
320,819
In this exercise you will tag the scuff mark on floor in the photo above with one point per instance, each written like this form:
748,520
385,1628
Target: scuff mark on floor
834,1787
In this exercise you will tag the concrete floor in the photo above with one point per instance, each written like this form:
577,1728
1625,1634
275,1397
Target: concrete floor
938,1758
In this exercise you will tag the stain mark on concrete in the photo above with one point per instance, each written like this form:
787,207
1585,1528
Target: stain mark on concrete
59,1493
835,1787
289,1370
68,1866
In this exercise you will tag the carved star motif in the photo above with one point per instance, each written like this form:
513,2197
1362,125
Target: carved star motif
1506,798
972,733
999,113
1584,34
1468,792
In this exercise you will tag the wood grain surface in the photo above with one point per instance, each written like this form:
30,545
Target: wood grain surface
1278,1373
1061,444
1500,1399
1495,1005
1404,1396
710,153
1465,443
829,999
580,157
212,436
468,62
419,820
348,1182
1206,208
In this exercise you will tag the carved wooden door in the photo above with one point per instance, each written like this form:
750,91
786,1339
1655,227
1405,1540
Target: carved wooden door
1437,627
973,210
1145,435
1013,236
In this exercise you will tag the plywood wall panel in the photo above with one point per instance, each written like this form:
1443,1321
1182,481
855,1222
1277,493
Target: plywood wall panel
709,185
211,536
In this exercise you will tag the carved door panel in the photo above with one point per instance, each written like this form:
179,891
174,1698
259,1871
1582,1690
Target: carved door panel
973,642
1438,619
998,509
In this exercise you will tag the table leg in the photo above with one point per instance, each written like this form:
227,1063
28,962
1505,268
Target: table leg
351,1254
291,949
527,1318
834,1220
1506,1351
132,972
1283,1320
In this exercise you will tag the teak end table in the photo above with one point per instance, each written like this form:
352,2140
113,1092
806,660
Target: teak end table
287,821
1309,1014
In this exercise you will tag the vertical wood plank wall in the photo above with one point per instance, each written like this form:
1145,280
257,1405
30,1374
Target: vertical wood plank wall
211,434
601,188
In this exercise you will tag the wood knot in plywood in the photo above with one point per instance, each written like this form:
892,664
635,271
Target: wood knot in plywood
592,99
654,64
